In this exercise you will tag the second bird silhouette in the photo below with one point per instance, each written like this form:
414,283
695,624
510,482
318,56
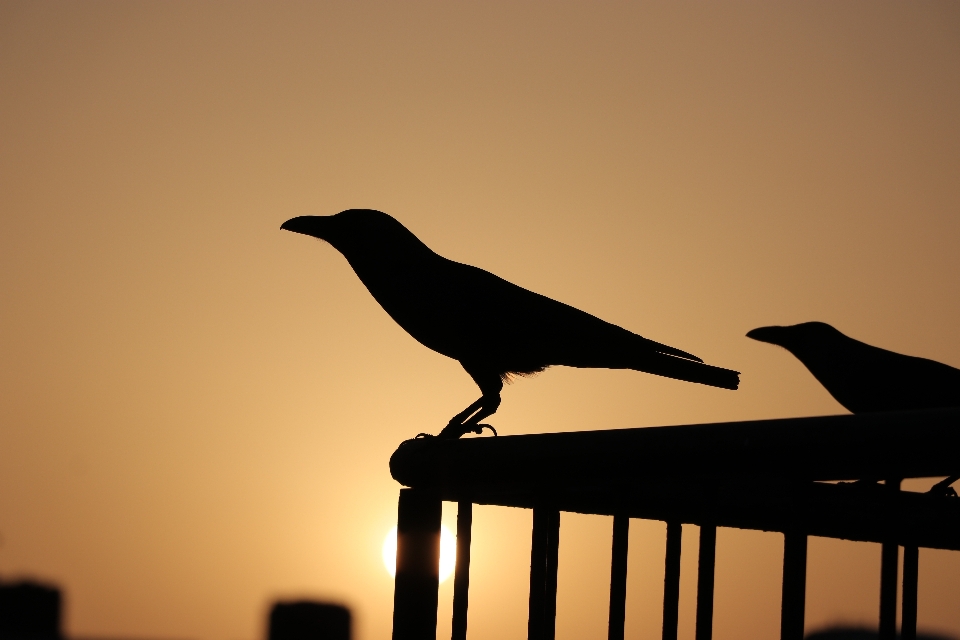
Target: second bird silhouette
862,377
492,327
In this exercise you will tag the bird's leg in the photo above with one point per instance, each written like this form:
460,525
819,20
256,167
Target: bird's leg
462,417
489,406
454,428
468,420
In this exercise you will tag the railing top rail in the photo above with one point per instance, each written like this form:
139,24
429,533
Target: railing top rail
909,444
759,474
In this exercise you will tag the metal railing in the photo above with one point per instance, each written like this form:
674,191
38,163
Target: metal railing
769,475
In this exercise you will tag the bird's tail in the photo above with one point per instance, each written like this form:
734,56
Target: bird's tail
682,369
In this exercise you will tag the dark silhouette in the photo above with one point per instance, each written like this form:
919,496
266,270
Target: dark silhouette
29,611
864,378
305,620
860,633
495,329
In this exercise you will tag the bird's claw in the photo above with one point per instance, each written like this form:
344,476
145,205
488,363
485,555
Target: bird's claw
457,431
478,429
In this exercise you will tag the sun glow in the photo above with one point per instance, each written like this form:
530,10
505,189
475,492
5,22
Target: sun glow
448,552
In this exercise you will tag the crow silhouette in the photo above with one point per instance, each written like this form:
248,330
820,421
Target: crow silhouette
495,329
864,378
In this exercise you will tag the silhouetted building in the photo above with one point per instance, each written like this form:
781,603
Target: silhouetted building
860,633
29,611
305,620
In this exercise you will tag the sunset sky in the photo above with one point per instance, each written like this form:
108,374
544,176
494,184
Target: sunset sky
197,409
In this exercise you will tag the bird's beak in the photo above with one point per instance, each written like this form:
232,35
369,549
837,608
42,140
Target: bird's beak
767,334
307,225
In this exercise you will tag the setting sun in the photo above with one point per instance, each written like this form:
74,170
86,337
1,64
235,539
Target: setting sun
448,552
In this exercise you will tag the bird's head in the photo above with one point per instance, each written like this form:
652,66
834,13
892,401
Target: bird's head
795,337
355,232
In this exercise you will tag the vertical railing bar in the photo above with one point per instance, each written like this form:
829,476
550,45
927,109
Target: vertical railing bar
417,579
550,592
538,571
908,617
671,581
461,577
618,577
889,555
793,601
705,579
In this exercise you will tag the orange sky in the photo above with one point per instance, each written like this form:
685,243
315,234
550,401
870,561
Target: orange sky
197,409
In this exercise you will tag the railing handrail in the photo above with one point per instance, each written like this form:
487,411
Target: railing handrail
908,444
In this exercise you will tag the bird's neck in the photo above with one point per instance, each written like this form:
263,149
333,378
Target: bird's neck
383,272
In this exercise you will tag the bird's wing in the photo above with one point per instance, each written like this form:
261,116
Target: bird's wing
514,323
494,327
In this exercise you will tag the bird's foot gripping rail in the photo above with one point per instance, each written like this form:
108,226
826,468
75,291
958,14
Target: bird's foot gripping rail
447,433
